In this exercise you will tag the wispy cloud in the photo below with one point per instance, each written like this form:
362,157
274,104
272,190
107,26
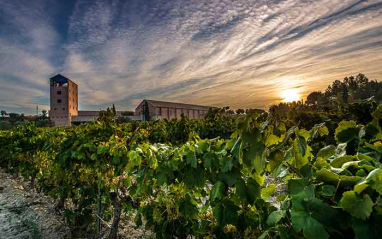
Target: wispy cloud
215,52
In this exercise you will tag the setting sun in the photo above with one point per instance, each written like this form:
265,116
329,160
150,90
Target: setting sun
290,95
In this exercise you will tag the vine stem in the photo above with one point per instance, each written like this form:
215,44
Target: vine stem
376,201
103,221
294,170
335,192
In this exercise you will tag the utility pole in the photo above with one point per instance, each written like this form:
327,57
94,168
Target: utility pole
37,109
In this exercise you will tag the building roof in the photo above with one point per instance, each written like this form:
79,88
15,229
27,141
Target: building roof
158,103
60,78
88,113
94,113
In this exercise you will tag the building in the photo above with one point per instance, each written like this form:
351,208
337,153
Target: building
170,110
64,106
63,100
86,116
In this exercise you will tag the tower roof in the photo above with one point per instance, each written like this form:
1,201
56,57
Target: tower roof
60,78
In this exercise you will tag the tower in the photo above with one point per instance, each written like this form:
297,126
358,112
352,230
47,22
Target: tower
63,100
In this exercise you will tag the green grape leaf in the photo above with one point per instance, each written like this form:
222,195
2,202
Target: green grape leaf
250,137
253,156
227,164
230,177
360,187
327,176
241,189
327,190
94,156
338,162
272,140
375,180
115,160
226,212
275,159
253,191
249,192
275,217
363,229
346,131
301,152
311,214
312,228
161,177
207,160
236,149
357,206
349,181
326,152
202,146
302,145
102,149
268,191
194,177
217,191
153,162
191,159
295,186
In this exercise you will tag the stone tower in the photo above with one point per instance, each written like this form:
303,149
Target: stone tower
63,100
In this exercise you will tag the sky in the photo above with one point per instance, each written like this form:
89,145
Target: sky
237,53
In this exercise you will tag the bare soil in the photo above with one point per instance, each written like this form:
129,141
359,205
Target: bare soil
26,214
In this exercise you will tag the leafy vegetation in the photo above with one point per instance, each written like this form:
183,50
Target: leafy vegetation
212,178
10,120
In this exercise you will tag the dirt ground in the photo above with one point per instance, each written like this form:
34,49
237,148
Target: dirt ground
27,214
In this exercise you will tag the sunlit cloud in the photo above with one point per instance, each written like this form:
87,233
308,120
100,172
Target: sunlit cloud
242,53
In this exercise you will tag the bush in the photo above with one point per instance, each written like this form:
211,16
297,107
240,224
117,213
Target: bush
5,125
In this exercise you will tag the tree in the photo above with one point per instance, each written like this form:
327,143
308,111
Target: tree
146,111
315,98
240,111
3,113
114,110
13,116
44,113
5,125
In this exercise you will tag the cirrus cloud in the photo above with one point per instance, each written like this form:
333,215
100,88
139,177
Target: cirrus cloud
214,52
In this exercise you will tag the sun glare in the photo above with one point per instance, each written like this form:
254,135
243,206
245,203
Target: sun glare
290,95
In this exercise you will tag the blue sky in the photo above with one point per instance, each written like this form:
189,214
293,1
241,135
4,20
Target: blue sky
240,53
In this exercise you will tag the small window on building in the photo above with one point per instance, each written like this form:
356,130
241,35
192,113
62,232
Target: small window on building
58,101
59,92
159,111
63,108
55,108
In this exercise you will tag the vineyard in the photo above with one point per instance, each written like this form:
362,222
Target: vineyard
211,178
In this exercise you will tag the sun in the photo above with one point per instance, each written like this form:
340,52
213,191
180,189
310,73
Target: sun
290,95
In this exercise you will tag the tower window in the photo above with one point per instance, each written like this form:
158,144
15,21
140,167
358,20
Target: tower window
58,101
59,92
